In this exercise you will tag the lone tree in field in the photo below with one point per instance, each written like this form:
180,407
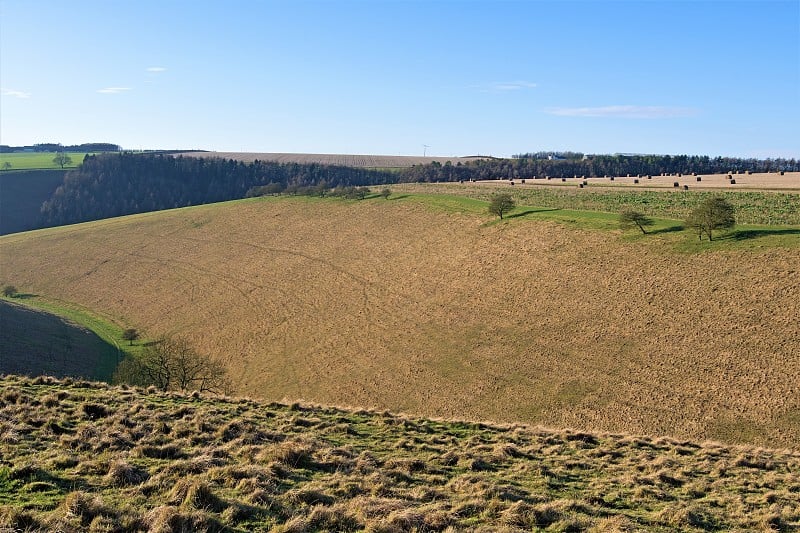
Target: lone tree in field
629,218
714,213
386,193
172,364
6,165
501,204
9,291
62,159
130,335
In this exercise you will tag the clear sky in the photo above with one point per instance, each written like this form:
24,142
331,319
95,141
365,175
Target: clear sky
387,77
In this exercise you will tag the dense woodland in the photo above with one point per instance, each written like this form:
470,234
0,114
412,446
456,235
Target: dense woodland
109,185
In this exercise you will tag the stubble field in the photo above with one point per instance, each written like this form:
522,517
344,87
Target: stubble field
390,304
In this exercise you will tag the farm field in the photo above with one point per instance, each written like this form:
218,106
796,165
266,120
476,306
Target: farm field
39,160
84,456
427,305
348,160
766,181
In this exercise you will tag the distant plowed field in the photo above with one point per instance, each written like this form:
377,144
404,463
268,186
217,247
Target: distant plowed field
348,160
389,304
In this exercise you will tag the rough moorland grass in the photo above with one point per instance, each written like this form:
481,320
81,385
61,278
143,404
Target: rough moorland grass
85,456
752,207
39,160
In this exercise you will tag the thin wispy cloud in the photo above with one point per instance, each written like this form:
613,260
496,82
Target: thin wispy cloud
505,86
156,69
114,90
623,111
15,94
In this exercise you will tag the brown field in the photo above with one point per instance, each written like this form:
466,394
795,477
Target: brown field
771,181
390,304
349,160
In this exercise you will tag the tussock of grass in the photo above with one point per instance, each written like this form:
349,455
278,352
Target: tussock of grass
241,466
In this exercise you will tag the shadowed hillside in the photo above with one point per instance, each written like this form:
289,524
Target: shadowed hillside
22,195
79,456
391,304
33,342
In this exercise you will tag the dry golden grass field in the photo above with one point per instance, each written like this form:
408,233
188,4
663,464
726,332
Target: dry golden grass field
349,160
442,312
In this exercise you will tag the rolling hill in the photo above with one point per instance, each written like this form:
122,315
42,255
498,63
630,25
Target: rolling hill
443,312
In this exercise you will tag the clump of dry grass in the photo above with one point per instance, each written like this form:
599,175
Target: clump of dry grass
242,465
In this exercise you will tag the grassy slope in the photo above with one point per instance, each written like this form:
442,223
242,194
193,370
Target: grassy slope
34,342
22,194
752,207
82,456
425,304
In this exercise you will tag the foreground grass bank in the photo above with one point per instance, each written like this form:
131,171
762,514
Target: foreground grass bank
85,456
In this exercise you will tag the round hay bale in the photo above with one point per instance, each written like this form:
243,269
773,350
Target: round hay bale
699,178
635,181
733,182
676,184
685,187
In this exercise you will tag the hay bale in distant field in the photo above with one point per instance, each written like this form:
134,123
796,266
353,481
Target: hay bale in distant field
685,187
699,178
733,182
635,181
676,184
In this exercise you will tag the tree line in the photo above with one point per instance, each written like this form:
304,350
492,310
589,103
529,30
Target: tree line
114,184
531,166
58,147
110,185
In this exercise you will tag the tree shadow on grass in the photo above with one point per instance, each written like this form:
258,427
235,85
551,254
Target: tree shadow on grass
530,212
668,229
746,234
23,296
398,197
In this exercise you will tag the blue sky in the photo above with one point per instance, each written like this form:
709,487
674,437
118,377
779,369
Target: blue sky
381,77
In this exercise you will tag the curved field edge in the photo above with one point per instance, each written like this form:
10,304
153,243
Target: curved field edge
400,304
81,455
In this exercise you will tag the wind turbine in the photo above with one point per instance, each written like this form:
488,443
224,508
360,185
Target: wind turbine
425,150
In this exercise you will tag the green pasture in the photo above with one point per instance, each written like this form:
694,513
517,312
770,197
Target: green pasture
752,207
664,231
38,160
